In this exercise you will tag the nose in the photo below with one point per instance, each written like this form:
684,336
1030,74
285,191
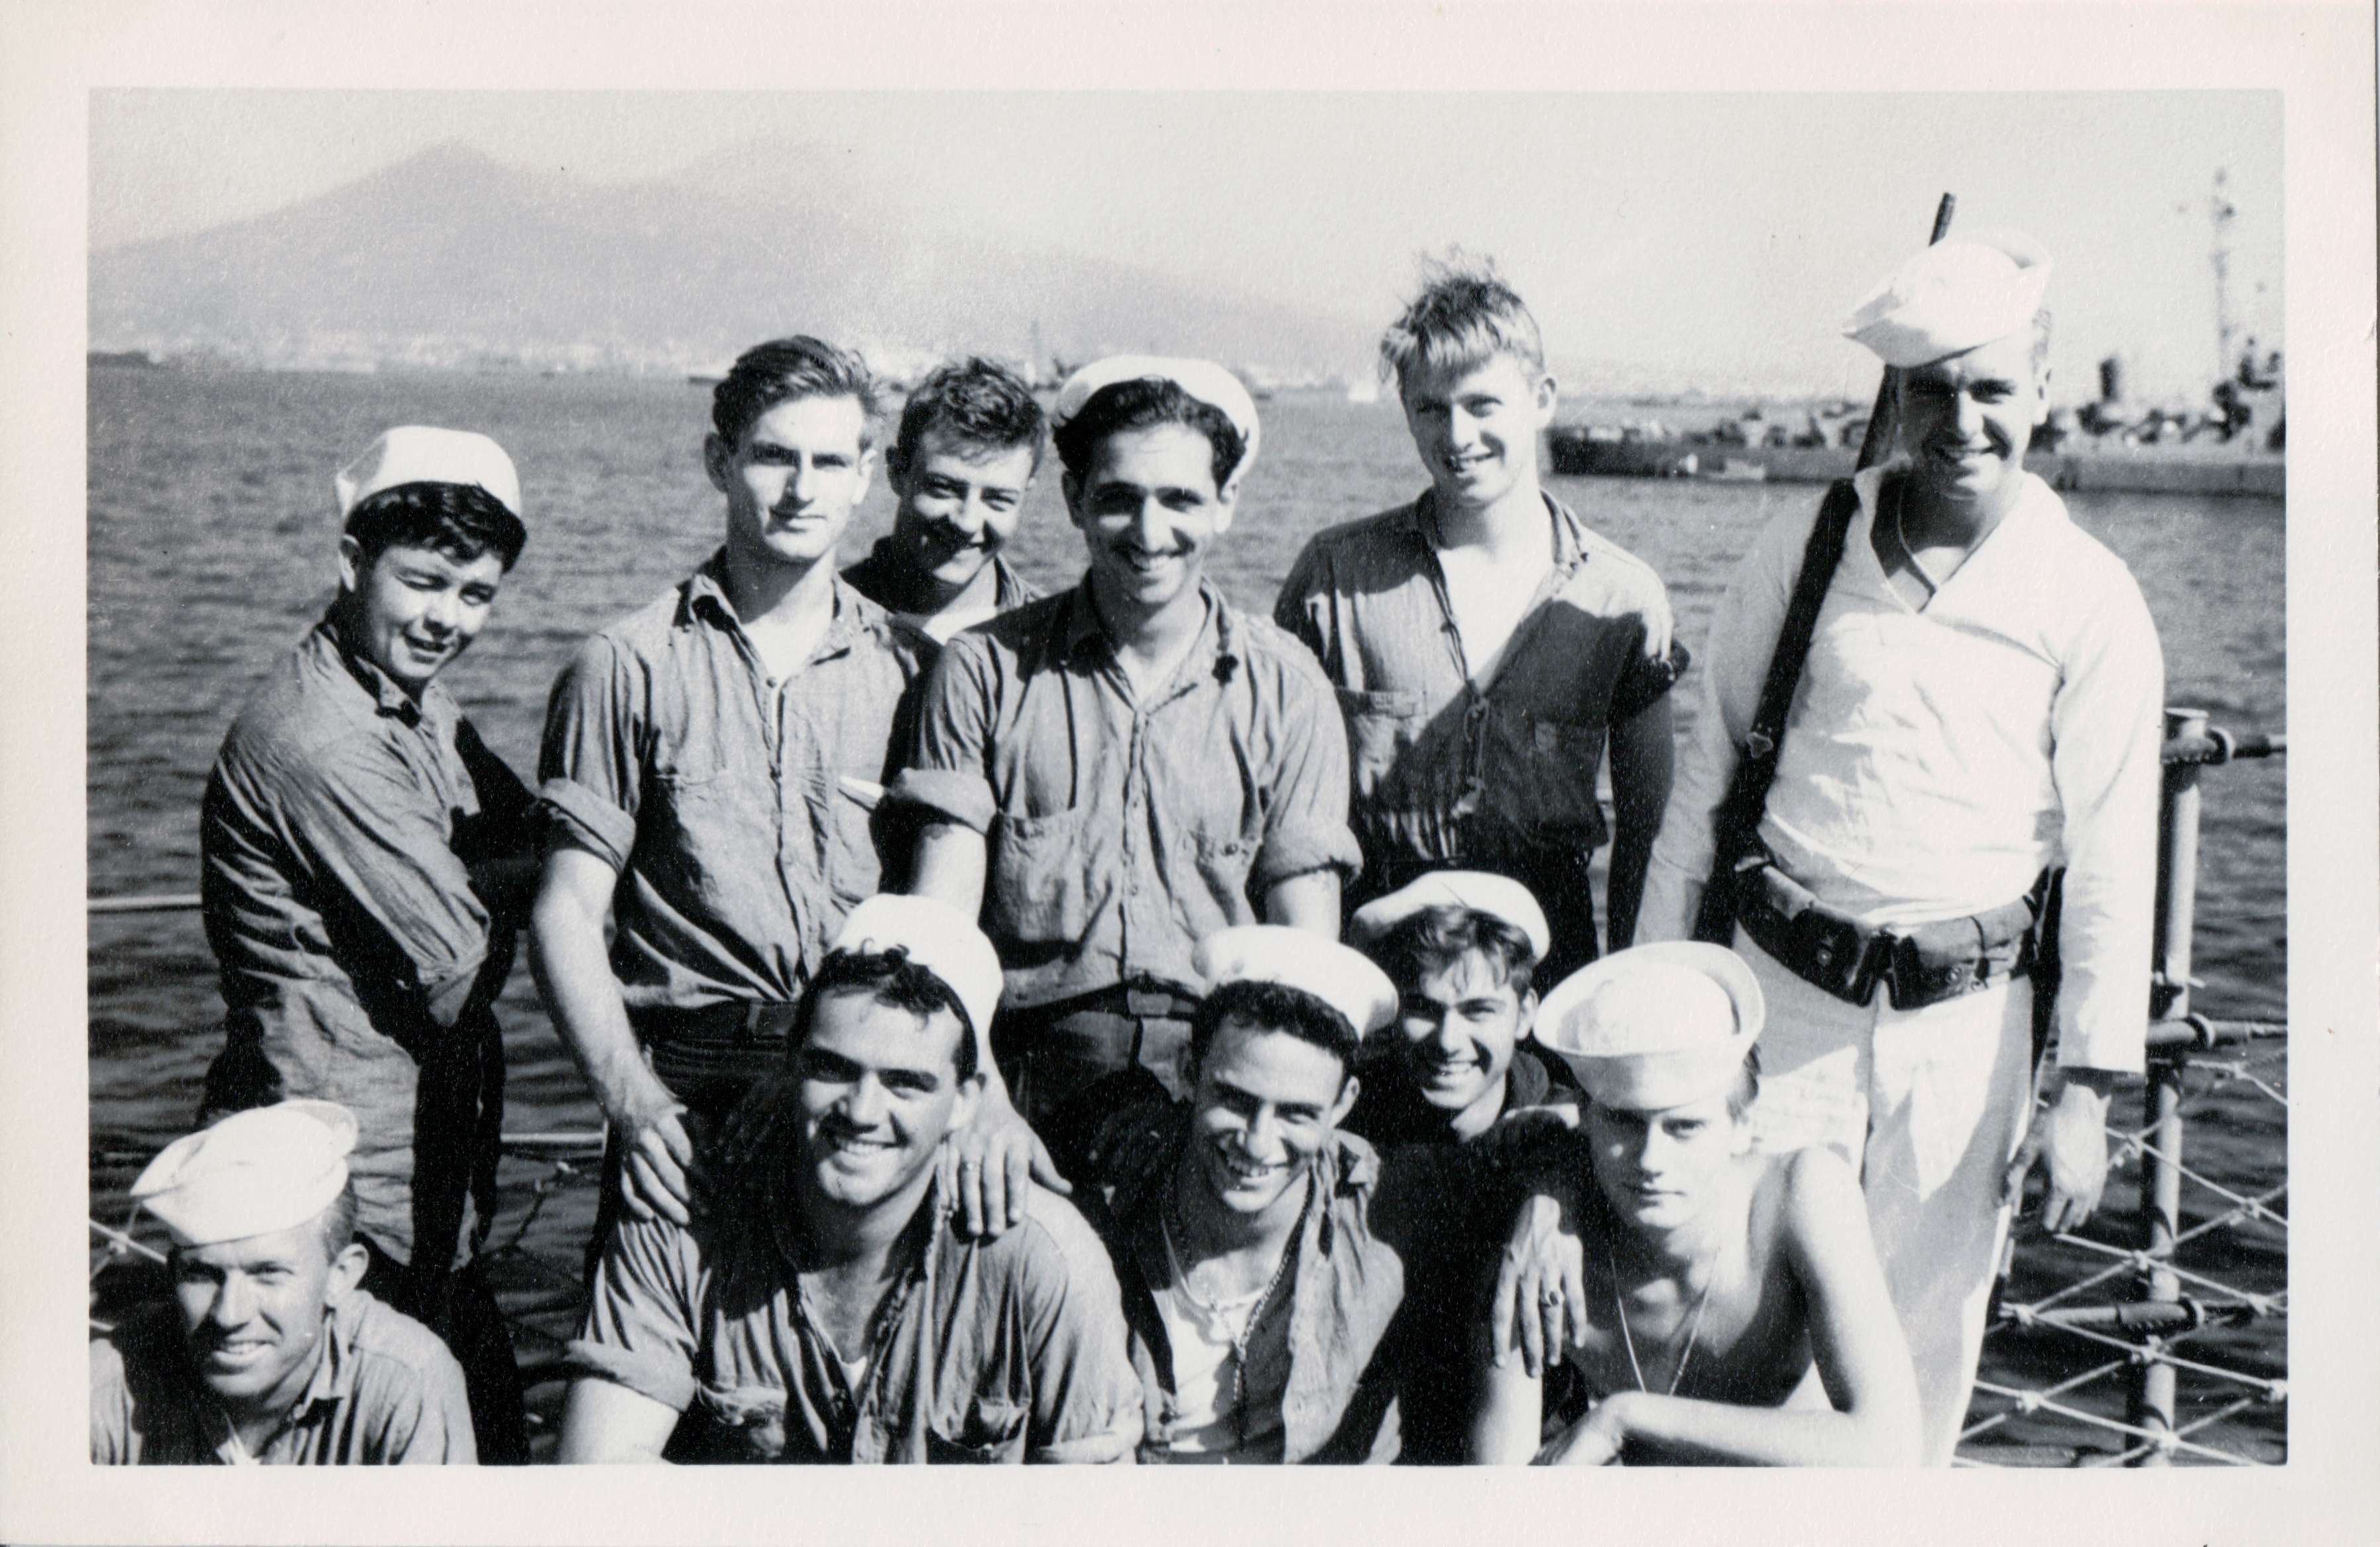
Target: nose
442,610
863,1105
1971,415
235,1301
1262,1136
969,516
802,482
1150,526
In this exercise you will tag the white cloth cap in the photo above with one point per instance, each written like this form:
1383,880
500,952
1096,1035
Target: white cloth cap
1203,379
938,937
420,453
1499,897
1655,1026
1953,296
256,1172
1340,976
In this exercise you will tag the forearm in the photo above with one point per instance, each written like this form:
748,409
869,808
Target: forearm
951,863
583,999
1685,1429
1504,1430
1310,901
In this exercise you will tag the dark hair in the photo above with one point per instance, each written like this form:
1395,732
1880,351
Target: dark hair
1139,404
1433,939
337,1221
892,979
786,369
1274,1006
1464,317
978,401
1746,1089
460,520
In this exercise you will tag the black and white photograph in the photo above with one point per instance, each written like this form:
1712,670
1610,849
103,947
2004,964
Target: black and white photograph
1173,764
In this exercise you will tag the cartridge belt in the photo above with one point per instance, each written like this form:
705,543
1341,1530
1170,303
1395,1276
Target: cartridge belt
1829,950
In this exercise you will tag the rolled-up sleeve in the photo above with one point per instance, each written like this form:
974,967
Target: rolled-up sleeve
640,1331
945,771
1305,825
2107,731
588,773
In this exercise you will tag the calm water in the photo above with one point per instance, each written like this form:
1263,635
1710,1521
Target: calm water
211,537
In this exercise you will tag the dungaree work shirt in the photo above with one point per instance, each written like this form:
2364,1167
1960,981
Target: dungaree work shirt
385,1393
1118,834
736,809
1001,1350
359,966
1384,1258
1496,776
1935,759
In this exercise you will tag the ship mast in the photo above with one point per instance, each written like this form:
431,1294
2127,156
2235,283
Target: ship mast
2220,206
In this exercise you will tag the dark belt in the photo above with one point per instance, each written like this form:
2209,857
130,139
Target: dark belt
1829,950
714,1050
1050,1051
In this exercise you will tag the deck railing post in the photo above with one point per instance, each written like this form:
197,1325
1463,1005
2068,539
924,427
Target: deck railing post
2177,907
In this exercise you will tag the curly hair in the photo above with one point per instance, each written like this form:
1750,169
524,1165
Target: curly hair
892,979
460,520
977,401
1141,405
1435,938
1464,317
1274,1006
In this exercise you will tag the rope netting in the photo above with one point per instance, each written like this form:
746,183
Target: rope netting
2085,1317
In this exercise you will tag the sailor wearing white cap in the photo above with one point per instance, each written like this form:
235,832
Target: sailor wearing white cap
1109,775
1712,1275
827,1292
365,862
271,1351
1980,706
1463,948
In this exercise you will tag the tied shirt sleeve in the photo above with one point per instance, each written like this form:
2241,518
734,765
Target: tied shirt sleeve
2106,741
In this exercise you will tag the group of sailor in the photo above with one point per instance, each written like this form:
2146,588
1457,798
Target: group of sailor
960,971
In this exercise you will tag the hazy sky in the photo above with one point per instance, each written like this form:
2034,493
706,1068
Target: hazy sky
1718,236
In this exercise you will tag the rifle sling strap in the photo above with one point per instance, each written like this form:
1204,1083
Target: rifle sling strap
1737,821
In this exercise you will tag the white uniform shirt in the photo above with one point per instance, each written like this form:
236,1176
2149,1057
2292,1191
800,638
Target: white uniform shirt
1935,759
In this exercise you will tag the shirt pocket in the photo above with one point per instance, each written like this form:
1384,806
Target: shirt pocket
1538,775
986,1430
1040,879
1381,727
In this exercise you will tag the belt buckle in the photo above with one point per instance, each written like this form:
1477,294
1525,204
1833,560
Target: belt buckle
1840,961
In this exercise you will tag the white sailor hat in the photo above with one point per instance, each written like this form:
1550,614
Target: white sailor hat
1343,978
1203,379
265,1169
422,453
1953,296
936,936
1655,1026
1499,897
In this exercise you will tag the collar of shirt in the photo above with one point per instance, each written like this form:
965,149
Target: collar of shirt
333,1382
917,1247
1083,638
705,599
1420,519
2004,557
388,698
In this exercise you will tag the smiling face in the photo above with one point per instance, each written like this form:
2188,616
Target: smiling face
254,1311
878,1088
793,479
960,504
1461,1024
1264,1106
1966,420
1148,509
1659,1170
412,609
1476,429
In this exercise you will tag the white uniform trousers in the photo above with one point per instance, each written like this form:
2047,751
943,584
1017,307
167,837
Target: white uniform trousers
1929,1105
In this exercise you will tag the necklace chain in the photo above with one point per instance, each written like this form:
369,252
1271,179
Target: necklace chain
1256,1312
1693,1326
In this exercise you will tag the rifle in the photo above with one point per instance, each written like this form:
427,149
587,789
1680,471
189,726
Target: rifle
1735,826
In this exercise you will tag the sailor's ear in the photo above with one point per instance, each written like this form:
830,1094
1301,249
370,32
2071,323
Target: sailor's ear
2041,394
1549,398
717,454
1227,500
1526,1024
867,471
352,567
1349,1089
1072,488
970,1099
346,1273
1185,1064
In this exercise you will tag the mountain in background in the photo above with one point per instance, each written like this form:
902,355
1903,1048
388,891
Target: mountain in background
451,260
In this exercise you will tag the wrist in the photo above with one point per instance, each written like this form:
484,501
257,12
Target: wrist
2099,1084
